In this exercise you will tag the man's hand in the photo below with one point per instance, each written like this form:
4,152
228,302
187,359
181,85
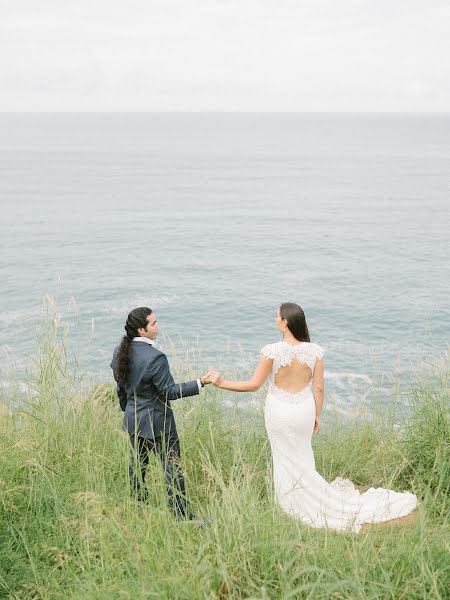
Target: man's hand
206,379
215,377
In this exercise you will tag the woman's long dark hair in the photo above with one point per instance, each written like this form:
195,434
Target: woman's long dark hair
136,319
296,321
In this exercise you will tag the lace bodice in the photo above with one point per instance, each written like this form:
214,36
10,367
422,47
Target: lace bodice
282,354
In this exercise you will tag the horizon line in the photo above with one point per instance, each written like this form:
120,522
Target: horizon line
222,112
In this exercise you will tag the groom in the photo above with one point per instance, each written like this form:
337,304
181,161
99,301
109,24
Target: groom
145,388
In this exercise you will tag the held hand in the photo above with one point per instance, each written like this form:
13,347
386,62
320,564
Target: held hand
215,377
316,424
206,379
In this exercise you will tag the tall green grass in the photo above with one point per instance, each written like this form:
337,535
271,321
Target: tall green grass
70,529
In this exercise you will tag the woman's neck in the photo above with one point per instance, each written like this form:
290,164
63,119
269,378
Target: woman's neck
290,339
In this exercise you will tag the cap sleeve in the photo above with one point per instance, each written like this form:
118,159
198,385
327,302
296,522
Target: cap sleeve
319,352
268,351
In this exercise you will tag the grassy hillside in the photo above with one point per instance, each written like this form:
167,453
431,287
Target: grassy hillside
69,528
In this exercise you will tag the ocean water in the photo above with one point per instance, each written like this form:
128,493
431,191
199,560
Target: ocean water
213,220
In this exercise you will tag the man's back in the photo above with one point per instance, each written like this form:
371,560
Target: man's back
146,393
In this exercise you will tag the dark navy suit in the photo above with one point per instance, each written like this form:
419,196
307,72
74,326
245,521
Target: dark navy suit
145,398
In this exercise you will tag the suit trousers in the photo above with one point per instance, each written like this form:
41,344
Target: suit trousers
167,449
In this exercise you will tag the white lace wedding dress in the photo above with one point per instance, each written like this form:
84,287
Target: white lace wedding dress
299,488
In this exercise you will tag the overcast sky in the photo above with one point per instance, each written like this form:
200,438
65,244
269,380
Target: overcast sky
225,55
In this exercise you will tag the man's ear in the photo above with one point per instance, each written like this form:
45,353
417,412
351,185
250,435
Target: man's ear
141,331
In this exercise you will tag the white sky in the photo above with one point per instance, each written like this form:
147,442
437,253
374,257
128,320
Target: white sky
225,55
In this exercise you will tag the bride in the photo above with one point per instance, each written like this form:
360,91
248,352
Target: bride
292,414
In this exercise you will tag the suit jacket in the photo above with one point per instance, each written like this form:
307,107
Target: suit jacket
146,394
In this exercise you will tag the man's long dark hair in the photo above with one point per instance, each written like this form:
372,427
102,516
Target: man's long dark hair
296,321
136,319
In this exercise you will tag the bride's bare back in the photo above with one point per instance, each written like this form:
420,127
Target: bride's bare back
293,378
293,365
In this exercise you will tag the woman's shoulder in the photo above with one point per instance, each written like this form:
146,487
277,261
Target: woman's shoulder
315,349
271,350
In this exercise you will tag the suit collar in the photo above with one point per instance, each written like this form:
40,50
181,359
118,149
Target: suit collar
144,339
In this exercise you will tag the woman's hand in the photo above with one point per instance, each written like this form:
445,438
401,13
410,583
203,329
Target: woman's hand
215,377
316,424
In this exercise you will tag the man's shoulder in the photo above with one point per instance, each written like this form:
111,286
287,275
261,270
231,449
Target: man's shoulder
148,350
157,355
140,353
154,359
